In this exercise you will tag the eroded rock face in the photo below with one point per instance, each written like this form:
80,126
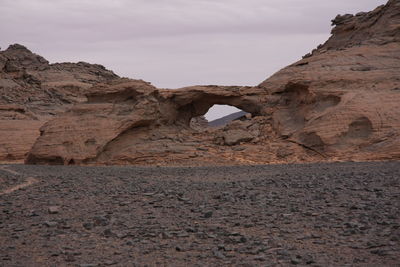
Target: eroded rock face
132,122
32,91
340,102
87,129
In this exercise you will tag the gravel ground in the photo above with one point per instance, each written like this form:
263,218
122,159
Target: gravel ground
340,214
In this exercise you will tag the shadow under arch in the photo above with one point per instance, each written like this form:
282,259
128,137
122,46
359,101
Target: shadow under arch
201,102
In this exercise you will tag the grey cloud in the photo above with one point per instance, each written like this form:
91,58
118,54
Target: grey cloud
193,29
92,20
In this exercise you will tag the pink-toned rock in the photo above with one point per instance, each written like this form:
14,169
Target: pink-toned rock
17,138
342,101
339,102
32,91
86,130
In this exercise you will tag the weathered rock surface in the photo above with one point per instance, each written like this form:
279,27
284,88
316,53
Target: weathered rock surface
234,137
343,100
32,91
339,102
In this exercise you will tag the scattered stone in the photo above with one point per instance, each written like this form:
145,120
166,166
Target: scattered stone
100,221
260,258
238,148
130,243
218,254
308,259
53,209
110,262
295,261
70,258
50,223
108,233
234,137
88,225
262,216
208,214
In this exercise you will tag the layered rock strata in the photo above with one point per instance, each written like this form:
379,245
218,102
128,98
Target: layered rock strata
32,91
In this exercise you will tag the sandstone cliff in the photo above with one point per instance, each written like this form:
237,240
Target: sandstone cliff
342,100
339,102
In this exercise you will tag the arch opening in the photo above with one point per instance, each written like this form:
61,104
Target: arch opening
218,116
200,104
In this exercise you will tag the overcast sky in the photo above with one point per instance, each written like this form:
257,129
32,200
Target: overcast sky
175,43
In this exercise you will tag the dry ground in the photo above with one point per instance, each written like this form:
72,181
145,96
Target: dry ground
316,214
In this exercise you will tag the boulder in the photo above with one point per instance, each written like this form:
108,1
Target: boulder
234,137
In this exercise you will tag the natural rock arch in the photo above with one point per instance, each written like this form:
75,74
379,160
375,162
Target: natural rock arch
196,101
339,102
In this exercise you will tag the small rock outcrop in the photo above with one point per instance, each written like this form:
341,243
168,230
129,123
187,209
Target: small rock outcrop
340,102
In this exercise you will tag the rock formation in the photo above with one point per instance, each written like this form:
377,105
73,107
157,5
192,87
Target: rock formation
339,102
342,100
32,91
